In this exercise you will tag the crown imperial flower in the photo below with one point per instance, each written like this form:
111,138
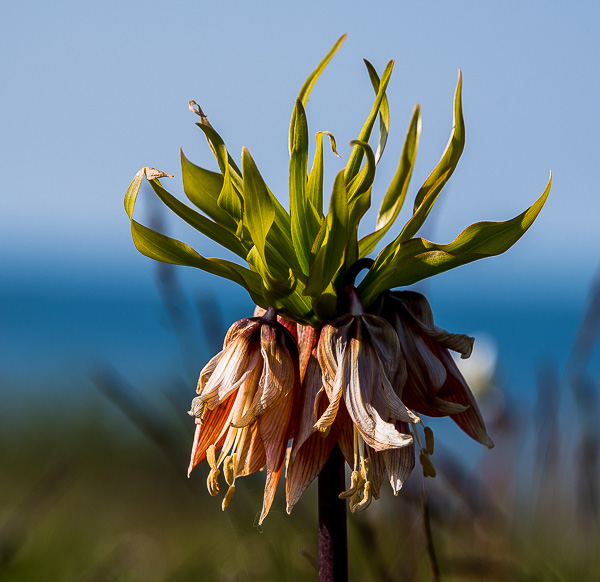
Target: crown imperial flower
313,366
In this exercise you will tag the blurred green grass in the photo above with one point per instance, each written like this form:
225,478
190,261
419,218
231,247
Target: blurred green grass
91,498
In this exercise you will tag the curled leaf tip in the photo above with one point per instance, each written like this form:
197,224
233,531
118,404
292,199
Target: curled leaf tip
154,174
195,108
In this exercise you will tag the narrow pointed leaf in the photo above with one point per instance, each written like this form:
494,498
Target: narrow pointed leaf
202,187
384,112
304,220
357,153
453,151
169,250
312,79
417,258
396,194
359,200
202,224
259,211
330,257
314,189
224,160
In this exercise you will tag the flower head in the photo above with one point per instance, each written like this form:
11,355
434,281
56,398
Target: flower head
243,411
358,357
433,386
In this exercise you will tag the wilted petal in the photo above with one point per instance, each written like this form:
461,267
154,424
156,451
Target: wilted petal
457,391
275,429
399,463
208,432
233,368
357,375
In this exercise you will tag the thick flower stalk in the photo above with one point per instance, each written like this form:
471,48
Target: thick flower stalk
324,363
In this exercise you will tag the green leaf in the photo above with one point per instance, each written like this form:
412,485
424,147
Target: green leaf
418,218
314,189
453,151
304,219
259,210
359,200
357,152
202,224
220,152
384,112
396,194
162,248
330,256
417,258
310,82
202,187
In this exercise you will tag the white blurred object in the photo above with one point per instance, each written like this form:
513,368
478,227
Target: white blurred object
480,368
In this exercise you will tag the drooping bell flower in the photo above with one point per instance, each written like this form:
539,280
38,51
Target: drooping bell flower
433,385
244,408
359,356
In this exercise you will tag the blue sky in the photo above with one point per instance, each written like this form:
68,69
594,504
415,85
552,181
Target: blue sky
93,91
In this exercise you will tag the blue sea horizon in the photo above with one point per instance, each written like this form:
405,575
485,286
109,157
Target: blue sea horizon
55,337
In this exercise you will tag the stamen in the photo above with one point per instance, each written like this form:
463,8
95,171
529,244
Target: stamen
353,486
229,469
212,483
228,496
366,500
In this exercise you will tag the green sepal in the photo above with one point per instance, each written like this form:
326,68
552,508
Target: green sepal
384,112
417,258
330,256
356,155
396,194
202,224
453,151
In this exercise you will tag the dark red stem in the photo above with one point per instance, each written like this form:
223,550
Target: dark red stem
333,537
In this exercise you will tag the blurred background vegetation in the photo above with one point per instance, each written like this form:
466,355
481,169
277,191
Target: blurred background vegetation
102,494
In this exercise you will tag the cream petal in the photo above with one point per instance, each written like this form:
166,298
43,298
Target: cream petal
377,433
232,370
384,339
399,463
398,410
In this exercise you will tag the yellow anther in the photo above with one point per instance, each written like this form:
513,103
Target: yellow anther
212,482
428,468
353,486
228,496
365,501
211,457
429,440
229,469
